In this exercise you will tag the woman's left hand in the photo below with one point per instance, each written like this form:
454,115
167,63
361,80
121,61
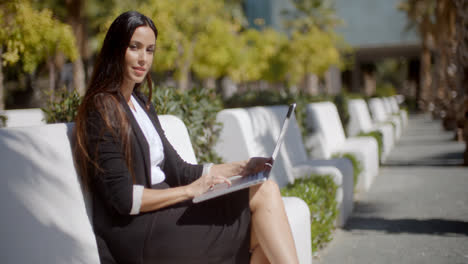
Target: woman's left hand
255,165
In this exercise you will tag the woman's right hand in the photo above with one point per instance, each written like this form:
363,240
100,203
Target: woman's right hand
207,181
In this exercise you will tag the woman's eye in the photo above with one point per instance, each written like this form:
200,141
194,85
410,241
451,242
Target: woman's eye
133,46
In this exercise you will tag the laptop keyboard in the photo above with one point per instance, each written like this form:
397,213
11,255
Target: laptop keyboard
256,176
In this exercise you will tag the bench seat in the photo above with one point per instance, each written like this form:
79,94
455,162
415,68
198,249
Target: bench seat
47,217
254,131
324,121
361,121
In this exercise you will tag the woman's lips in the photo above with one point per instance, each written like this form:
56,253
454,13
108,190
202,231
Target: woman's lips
139,71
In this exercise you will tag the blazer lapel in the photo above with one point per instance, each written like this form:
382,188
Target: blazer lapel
141,139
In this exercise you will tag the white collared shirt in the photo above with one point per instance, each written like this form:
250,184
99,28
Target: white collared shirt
156,153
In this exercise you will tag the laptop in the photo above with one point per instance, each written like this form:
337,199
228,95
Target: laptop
238,182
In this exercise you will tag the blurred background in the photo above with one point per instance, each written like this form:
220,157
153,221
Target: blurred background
361,48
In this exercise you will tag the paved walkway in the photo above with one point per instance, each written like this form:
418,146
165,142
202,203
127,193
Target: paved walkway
417,208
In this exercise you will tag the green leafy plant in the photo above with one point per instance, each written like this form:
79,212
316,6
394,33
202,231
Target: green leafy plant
319,192
3,120
378,137
197,108
357,166
61,106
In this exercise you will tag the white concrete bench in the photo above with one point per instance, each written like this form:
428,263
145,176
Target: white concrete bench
323,119
360,121
395,108
47,218
257,129
236,142
44,217
24,117
380,115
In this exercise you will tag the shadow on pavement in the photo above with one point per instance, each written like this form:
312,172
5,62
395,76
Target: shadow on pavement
442,160
411,226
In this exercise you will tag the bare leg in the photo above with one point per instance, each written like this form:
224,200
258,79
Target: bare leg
271,233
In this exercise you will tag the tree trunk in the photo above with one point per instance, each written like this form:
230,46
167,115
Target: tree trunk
2,86
209,83
184,64
184,77
77,22
370,84
311,84
51,66
425,90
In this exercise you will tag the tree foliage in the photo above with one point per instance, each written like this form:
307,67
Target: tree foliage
31,37
205,38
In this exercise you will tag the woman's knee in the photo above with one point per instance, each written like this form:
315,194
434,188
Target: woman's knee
266,192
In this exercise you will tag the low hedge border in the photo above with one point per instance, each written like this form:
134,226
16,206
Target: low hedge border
61,106
3,120
357,166
197,108
319,192
378,137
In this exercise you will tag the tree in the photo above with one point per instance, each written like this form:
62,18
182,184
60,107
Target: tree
31,37
421,13
315,46
183,25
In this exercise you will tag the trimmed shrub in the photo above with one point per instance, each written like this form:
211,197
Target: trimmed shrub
197,108
378,137
61,106
3,120
357,166
319,192
384,89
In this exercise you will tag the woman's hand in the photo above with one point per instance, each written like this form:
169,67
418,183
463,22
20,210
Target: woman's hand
208,181
255,165
220,173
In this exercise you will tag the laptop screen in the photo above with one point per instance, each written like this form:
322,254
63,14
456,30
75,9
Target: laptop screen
291,109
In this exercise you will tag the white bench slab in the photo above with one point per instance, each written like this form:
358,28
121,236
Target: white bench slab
258,129
44,216
323,119
47,218
237,142
396,110
177,133
360,121
380,115
24,117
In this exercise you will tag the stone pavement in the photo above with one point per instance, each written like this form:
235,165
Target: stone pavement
417,208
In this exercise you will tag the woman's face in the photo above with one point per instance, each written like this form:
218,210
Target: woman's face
139,55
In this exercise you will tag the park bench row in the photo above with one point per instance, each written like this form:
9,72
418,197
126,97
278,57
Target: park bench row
48,218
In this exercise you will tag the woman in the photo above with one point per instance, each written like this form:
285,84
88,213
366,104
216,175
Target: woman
142,190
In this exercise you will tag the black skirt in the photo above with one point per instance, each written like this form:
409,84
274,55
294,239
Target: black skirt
214,231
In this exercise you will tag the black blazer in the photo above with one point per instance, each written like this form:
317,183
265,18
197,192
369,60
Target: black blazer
118,233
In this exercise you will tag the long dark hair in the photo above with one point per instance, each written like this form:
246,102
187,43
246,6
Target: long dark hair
103,95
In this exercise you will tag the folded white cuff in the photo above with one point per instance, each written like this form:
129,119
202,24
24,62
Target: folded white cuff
206,168
137,196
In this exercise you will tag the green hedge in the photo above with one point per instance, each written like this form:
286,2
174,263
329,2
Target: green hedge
357,166
197,108
319,192
378,137
62,106
3,120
